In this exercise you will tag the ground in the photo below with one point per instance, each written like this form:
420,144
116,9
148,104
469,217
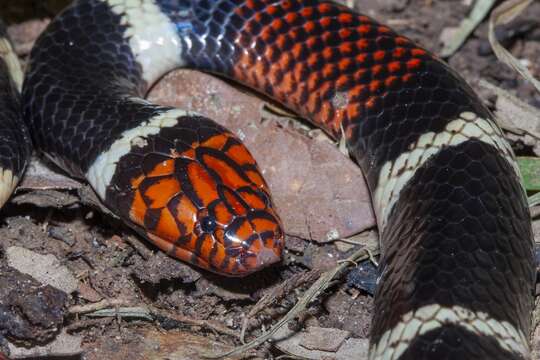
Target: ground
170,310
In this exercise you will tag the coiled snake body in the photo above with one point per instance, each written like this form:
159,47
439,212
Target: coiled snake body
457,273
14,139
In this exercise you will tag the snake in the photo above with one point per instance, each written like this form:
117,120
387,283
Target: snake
15,145
456,269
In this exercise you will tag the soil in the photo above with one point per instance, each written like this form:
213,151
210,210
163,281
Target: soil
181,312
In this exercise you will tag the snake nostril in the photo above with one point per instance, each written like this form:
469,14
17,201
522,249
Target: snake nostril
208,224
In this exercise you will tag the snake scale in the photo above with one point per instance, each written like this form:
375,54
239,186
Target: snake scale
456,272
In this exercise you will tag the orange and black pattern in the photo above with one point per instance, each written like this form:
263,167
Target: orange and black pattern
202,200
459,232
342,70
322,60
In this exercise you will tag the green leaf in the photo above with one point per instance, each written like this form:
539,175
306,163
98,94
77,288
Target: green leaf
530,171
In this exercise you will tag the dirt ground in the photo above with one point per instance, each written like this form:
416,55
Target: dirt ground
123,299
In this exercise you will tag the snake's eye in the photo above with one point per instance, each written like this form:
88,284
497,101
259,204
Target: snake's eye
208,224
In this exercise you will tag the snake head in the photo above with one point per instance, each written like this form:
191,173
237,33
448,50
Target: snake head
196,192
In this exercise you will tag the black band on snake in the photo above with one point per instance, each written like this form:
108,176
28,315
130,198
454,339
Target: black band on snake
457,274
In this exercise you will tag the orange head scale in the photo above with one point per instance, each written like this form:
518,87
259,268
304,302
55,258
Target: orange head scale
196,192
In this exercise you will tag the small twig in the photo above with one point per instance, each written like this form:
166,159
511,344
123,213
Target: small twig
503,14
100,305
278,293
120,313
467,26
350,241
86,323
347,261
319,286
208,324
120,308
367,238
534,200
372,258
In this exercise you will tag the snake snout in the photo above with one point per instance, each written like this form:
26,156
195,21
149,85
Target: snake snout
253,242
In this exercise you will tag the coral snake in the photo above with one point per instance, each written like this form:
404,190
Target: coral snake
456,273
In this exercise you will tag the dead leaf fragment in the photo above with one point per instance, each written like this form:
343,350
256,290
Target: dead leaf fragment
520,119
294,344
44,268
40,176
323,339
